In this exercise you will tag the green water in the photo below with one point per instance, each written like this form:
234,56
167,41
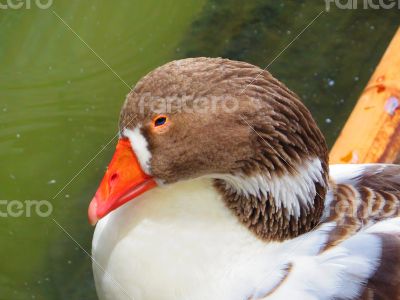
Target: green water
59,101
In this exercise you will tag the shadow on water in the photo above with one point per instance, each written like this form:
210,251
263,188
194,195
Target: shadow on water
59,103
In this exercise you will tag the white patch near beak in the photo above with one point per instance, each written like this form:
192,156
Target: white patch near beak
140,147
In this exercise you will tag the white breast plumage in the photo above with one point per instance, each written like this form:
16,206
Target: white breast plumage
180,242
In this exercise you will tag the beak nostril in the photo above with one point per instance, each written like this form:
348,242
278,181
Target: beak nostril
113,178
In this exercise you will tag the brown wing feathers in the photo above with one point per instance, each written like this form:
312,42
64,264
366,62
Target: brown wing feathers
374,197
385,284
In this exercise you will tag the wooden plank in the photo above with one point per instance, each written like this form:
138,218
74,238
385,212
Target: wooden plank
372,132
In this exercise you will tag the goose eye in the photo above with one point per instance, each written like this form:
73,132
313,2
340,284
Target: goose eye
159,121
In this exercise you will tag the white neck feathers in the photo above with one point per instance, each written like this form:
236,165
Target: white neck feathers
291,192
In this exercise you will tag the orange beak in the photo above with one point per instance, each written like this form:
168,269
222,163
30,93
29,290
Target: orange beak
124,180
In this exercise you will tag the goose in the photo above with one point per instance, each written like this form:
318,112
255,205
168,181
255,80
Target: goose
220,188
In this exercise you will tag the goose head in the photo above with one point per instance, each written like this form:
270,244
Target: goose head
227,120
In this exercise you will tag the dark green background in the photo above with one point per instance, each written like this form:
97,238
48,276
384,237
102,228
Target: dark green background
59,102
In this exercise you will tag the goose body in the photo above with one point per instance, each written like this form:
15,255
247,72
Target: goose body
213,229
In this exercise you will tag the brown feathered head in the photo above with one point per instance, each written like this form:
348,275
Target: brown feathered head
219,118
